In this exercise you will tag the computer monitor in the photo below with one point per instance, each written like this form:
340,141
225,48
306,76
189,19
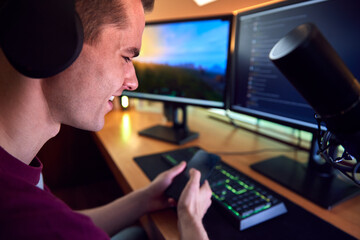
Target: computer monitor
183,62
259,89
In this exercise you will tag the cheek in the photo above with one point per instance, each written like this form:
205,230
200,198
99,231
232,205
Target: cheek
114,76
70,90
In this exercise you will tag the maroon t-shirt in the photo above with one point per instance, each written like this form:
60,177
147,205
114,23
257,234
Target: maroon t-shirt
29,212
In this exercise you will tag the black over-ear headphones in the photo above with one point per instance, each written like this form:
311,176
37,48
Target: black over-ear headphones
40,38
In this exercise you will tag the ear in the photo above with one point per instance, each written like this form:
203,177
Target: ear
40,38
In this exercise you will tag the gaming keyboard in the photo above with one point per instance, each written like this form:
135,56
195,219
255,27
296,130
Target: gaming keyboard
244,200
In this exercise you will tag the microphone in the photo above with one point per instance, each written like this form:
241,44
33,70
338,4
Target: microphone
313,67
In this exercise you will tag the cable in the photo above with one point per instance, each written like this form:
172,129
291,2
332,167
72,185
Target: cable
297,146
231,119
356,171
256,151
327,141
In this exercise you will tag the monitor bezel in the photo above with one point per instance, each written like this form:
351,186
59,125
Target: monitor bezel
192,101
231,103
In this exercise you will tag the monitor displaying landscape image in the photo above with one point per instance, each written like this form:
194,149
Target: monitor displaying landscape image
186,60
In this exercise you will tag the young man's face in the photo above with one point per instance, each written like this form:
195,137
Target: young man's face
80,96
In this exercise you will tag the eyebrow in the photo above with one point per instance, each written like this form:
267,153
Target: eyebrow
134,51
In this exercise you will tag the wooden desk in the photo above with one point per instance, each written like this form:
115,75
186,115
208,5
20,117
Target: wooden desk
120,143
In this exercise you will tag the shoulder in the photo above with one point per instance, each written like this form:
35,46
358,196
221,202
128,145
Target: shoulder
28,212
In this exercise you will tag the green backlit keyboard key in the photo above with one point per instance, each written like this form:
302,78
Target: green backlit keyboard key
246,201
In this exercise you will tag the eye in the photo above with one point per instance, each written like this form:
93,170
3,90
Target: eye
127,59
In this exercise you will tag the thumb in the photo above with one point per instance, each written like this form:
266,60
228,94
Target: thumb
194,181
176,170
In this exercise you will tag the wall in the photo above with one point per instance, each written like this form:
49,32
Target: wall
175,9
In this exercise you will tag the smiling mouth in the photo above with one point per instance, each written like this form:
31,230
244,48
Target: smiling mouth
111,98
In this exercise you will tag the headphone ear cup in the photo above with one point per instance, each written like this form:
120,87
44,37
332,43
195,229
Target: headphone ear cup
40,38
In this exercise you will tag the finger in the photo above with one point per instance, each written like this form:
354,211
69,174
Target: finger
194,181
195,175
191,188
176,170
206,189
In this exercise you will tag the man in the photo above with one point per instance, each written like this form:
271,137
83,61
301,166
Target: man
33,109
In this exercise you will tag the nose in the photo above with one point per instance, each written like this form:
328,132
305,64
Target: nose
131,81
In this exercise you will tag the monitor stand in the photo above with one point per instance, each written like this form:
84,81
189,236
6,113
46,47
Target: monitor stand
317,181
179,133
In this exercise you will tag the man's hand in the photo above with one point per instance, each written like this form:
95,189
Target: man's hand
193,203
126,210
154,193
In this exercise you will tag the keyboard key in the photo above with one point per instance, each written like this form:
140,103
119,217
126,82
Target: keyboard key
243,199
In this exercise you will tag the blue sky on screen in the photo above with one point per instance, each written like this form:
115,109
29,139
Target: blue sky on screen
199,43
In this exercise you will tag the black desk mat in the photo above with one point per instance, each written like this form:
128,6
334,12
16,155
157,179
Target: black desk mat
297,223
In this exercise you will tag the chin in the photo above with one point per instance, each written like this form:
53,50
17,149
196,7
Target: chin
97,127
91,126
